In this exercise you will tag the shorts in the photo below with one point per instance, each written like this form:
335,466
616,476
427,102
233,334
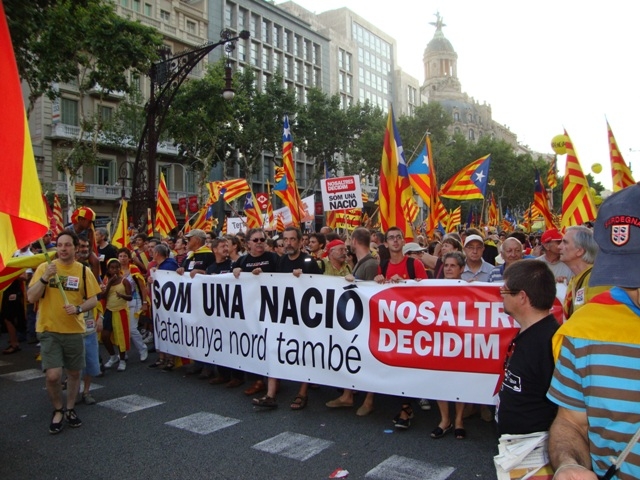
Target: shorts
91,355
62,350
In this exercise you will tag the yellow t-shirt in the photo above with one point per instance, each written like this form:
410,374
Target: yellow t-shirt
51,314
115,303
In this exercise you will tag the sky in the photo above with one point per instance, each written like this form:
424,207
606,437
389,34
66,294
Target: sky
543,66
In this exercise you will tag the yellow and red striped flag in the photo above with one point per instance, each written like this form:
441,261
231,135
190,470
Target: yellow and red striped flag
455,218
470,183
16,266
270,218
232,189
493,212
224,227
214,191
552,174
252,211
120,238
165,218
411,210
23,218
58,224
280,223
201,220
437,215
620,172
395,188
187,225
577,204
285,185
149,224
541,203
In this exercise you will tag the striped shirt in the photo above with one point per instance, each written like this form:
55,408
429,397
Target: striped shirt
602,379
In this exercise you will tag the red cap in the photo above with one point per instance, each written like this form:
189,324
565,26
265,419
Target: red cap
552,235
331,244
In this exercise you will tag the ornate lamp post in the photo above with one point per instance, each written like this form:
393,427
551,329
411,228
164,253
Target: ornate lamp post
166,77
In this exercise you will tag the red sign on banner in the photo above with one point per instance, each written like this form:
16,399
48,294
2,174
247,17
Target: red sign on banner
263,200
193,203
182,205
428,328
340,185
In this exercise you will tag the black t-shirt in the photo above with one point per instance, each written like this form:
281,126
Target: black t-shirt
524,406
267,262
198,261
109,252
222,267
304,261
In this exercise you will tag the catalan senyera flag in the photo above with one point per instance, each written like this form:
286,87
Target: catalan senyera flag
224,227
23,218
149,223
552,174
438,215
165,218
493,212
16,266
232,189
280,223
200,221
470,183
395,188
187,224
270,219
541,202
455,218
620,172
252,212
286,187
577,204
411,210
58,224
120,238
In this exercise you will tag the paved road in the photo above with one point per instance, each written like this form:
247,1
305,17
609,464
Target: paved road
157,425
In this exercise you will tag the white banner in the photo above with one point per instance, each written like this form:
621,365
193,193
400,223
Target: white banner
308,207
434,339
341,193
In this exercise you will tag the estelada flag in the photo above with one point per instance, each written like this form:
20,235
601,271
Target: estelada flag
23,218
470,183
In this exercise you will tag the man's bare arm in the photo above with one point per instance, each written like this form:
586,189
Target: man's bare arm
569,446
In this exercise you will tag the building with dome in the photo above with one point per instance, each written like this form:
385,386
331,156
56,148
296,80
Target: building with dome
441,84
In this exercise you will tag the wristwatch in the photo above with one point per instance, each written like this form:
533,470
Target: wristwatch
78,309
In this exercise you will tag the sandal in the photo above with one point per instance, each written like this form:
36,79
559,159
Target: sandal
460,433
404,423
299,402
168,366
158,363
11,349
257,387
266,401
72,418
440,432
56,427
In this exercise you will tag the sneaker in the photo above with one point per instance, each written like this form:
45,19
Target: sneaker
72,418
144,354
87,399
113,359
122,366
424,404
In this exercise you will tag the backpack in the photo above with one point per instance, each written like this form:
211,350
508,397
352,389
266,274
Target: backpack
411,267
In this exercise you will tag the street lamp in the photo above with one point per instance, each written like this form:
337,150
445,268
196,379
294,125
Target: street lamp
124,176
166,77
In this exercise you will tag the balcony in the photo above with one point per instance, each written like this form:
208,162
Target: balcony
93,191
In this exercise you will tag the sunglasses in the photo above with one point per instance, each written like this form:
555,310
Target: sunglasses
504,290
256,240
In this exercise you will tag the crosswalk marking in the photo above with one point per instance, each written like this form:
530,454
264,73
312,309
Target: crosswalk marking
4,364
203,423
293,445
23,375
130,403
403,468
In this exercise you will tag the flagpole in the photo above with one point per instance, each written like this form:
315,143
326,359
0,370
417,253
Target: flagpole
57,278
117,217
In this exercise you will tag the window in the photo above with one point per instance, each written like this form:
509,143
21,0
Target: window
228,15
265,31
103,173
134,82
242,51
471,134
191,27
253,26
456,117
136,5
106,113
191,181
148,8
69,111
124,3
266,57
165,16
347,64
276,37
254,54
168,178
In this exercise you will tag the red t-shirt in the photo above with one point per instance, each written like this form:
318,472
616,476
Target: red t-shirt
401,269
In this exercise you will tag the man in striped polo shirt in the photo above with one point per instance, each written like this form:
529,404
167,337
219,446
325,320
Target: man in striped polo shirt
596,383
